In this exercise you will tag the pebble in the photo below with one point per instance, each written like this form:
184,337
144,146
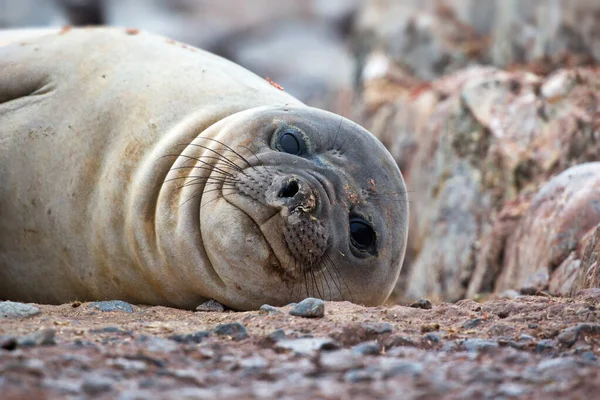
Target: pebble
44,337
97,384
589,356
257,362
424,304
378,328
129,365
158,344
400,367
432,337
525,337
112,305
211,306
545,344
276,335
8,342
478,344
340,360
358,375
569,336
33,366
513,390
235,330
401,341
472,323
509,294
196,337
309,308
269,309
307,345
372,348
10,309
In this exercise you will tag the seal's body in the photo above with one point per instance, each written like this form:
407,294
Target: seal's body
134,167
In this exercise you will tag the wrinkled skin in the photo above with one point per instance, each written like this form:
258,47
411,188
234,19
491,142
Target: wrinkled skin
136,168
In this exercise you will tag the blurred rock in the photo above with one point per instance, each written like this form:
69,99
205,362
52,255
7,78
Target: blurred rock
432,37
588,274
475,147
559,216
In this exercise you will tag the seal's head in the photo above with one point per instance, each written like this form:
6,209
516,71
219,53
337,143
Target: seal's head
300,202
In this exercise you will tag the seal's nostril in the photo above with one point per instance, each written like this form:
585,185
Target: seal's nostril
290,189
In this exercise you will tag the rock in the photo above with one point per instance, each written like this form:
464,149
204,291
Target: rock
560,215
392,368
479,345
191,338
211,306
129,365
112,305
340,360
235,330
307,346
30,366
97,384
276,335
43,337
10,309
254,363
158,344
510,389
569,336
432,337
360,375
591,294
367,348
425,304
587,276
472,323
309,308
509,294
378,328
8,342
268,309
545,345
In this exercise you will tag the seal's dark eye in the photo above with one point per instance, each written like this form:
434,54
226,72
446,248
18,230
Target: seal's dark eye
291,141
362,235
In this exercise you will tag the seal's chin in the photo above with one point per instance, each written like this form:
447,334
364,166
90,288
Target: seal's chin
268,224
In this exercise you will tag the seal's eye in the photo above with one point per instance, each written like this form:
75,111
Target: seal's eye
291,141
362,235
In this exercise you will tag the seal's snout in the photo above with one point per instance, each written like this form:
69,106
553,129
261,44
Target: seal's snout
292,194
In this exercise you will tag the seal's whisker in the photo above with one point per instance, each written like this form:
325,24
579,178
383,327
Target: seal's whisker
212,167
227,147
324,269
203,191
326,261
313,278
341,276
225,161
253,153
211,150
207,179
339,128
216,198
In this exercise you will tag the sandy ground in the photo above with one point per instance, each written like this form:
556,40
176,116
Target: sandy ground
528,347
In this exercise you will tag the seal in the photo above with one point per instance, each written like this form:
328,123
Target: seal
138,168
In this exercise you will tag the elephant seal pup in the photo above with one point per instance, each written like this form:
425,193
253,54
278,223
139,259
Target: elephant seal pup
137,168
